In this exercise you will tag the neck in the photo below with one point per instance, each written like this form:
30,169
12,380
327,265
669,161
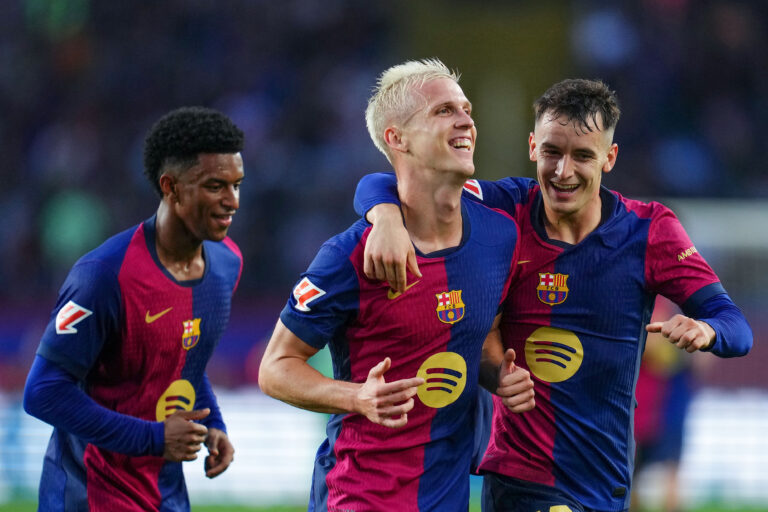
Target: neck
573,227
178,251
432,209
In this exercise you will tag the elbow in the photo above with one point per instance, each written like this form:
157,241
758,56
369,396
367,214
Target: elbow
266,379
31,401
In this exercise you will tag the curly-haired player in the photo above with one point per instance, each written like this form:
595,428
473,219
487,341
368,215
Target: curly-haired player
120,370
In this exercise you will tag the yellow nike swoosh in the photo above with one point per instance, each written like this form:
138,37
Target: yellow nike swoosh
151,318
392,294
524,261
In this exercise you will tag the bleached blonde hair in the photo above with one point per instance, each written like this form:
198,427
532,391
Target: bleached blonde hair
393,100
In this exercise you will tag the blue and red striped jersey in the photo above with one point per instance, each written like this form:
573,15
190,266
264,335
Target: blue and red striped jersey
576,317
435,329
577,314
138,341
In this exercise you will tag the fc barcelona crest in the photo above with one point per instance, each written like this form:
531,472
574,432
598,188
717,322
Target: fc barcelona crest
450,308
191,333
552,288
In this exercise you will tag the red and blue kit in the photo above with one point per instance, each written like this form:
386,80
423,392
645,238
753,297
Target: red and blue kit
136,341
576,317
434,329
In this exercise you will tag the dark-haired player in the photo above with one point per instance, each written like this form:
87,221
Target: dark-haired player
405,364
591,263
120,370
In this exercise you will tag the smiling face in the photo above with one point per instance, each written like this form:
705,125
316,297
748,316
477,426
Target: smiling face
207,195
442,134
570,160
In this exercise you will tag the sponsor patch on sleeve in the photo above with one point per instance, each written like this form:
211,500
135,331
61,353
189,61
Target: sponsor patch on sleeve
473,187
305,292
70,315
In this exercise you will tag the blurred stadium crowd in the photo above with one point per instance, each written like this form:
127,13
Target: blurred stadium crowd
81,81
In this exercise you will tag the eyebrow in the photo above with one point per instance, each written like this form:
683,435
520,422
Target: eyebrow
584,151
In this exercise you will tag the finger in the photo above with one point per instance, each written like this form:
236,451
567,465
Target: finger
519,388
397,410
368,266
401,278
509,360
380,273
654,327
395,422
413,264
213,446
523,407
399,385
395,397
216,466
214,471
197,414
390,269
378,370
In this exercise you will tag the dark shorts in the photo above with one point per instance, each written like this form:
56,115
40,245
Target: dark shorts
505,494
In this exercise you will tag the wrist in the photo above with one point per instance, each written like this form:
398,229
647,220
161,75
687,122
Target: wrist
384,212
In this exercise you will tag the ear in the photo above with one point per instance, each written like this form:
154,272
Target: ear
532,147
613,152
393,137
168,187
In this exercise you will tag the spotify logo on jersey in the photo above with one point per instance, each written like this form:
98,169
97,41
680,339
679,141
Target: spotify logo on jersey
180,395
445,375
553,355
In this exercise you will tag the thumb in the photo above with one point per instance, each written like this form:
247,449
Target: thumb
509,360
197,414
654,327
413,264
378,370
213,446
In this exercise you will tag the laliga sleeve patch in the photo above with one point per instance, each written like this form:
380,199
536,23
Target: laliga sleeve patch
70,315
305,292
473,187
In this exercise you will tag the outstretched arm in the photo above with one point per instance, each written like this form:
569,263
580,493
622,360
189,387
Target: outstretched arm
285,374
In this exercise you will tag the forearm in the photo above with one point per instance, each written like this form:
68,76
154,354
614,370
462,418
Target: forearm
489,375
293,381
733,335
206,398
373,189
53,396
491,359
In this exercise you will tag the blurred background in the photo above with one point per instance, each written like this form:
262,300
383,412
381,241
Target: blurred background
81,82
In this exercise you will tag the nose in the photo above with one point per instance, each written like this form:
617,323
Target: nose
465,119
231,197
564,167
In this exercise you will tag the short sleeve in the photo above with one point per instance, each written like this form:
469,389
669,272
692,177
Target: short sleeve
505,194
87,314
674,268
325,299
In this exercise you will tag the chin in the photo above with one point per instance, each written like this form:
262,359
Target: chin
217,236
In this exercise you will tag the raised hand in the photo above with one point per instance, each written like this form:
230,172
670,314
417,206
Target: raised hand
386,403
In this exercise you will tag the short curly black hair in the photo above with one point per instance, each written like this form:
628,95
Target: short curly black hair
182,134
580,101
